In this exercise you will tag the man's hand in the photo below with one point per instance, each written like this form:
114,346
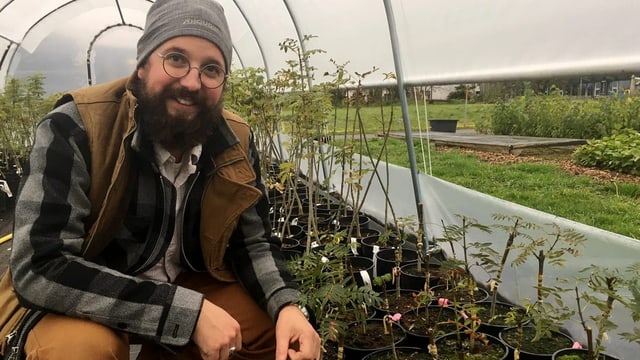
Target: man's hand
216,333
295,337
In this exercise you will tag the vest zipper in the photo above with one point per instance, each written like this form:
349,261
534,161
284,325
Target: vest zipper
17,338
162,234
184,210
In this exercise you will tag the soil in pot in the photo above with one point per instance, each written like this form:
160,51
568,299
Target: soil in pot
328,208
494,325
326,233
578,354
361,222
362,340
399,302
322,222
411,278
541,349
418,323
493,349
402,353
330,350
461,295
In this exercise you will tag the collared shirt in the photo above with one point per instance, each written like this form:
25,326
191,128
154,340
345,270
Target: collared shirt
169,267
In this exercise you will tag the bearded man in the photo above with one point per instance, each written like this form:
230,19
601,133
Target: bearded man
142,217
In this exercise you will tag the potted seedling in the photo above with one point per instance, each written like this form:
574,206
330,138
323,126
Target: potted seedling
461,280
467,342
547,311
332,293
633,304
494,262
602,290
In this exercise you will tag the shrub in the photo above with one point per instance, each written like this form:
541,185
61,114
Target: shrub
557,116
619,152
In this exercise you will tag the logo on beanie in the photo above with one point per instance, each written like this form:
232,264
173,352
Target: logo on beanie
200,22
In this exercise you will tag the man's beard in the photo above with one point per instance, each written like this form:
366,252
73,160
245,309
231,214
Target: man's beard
175,131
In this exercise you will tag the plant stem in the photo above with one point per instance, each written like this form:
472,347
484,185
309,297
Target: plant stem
503,261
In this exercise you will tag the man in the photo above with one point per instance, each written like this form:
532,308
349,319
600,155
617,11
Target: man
142,216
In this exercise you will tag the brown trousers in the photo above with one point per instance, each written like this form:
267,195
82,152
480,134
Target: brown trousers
62,337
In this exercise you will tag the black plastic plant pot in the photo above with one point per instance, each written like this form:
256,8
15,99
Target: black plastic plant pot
541,349
385,260
443,125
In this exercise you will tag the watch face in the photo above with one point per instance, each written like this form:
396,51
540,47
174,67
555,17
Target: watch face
304,311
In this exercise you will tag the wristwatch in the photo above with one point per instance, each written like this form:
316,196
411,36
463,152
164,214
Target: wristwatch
304,311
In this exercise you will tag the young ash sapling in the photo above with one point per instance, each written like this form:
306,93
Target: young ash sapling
391,319
432,331
468,323
494,262
633,304
603,285
548,310
457,234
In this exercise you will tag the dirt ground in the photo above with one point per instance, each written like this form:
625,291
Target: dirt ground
561,160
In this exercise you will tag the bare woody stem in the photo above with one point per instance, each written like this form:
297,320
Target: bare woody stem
507,248
587,329
541,258
503,261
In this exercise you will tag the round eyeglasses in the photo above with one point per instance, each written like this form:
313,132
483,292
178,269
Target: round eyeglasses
177,66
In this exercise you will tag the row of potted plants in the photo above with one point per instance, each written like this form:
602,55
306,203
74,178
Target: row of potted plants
353,270
337,293
534,323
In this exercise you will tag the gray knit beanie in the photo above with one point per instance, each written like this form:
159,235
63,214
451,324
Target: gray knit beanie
167,19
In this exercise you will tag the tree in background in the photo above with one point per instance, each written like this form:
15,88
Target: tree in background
22,105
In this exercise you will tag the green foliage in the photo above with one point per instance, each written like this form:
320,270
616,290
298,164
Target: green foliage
548,310
329,290
633,303
492,261
559,116
603,287
551,246
458,234
460,92
22,106
250,95
618,152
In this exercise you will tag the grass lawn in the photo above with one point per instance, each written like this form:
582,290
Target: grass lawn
545,187
373,116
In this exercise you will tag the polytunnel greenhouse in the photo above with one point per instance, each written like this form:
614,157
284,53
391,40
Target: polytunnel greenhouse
77,43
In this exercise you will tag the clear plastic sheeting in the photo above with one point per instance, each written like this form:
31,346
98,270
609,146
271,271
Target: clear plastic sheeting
438,41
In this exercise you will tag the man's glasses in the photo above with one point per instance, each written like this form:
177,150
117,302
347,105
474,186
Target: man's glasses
177,66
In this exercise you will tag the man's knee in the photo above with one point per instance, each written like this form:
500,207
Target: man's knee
62,337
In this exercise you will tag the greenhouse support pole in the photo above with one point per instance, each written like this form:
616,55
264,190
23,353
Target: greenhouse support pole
405,115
